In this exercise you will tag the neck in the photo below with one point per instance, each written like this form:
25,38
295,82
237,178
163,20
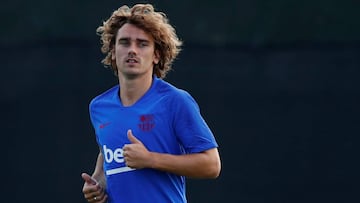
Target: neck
131,90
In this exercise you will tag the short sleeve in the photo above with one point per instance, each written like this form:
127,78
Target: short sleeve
190,127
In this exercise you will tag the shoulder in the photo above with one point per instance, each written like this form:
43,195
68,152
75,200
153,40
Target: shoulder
176,97
107,96
172,91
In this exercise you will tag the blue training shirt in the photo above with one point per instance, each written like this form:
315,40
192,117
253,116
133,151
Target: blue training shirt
166,120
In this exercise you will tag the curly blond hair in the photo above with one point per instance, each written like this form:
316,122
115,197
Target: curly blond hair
154,23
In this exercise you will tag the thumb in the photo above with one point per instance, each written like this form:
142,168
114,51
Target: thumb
132,138
88,179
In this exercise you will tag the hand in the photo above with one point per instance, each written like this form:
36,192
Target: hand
135,154
93,191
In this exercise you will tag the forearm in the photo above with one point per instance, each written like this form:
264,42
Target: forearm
98,174
198,165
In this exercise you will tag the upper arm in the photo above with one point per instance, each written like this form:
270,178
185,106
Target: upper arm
190,127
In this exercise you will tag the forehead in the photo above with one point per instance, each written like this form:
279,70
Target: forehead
132,32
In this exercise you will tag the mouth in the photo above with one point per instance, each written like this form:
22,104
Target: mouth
131,60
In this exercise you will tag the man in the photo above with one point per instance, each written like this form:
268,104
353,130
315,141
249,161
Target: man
151,134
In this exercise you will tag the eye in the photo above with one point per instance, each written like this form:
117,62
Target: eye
124,42
143,44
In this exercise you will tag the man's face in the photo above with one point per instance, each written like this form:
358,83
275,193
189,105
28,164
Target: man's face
134,52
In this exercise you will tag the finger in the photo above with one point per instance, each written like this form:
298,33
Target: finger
95,197
92,189
98,190
132,138
101,198
92,192
104,199
88,179
91,199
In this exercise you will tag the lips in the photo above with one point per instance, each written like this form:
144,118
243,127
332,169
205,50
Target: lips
131,60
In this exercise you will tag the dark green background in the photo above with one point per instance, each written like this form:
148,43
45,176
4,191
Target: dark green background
277,82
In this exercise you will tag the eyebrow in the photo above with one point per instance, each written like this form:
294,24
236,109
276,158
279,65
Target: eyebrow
137,39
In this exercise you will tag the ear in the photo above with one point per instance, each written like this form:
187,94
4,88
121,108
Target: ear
156,57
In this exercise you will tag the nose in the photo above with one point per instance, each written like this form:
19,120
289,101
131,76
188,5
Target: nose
132,49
